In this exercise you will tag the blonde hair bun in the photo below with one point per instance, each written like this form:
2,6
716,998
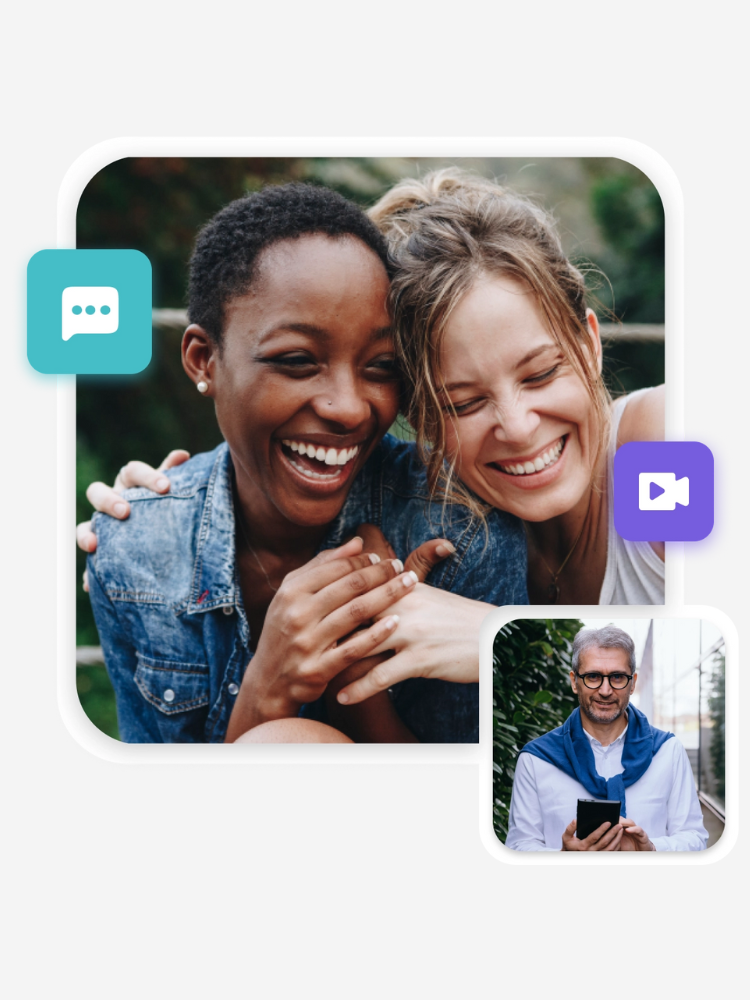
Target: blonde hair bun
443,231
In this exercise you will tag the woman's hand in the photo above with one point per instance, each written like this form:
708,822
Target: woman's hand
303,644
437,637
438,632
421,561
376,720
108,499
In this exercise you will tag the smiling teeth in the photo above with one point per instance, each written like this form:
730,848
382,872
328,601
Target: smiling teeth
540,462
330,456
313,475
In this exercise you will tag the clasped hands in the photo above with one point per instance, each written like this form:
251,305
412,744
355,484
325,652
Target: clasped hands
328,616
317,633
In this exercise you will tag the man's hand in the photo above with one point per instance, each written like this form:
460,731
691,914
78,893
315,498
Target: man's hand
635,837
602,839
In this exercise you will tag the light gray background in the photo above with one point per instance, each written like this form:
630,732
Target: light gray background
287,880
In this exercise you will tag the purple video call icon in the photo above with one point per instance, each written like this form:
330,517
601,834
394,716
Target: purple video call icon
664,491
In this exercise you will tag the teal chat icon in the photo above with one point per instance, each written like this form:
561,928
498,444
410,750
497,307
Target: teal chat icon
88,312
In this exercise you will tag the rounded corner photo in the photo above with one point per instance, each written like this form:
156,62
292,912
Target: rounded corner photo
609,736
296,535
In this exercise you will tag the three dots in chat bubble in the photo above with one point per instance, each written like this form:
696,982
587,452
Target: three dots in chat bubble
90,309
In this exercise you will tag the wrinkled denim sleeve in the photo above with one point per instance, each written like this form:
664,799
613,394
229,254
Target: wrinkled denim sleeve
135,717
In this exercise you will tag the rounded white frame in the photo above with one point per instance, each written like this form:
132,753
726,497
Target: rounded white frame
99,156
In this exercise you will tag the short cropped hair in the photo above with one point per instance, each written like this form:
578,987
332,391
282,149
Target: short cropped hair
609,637
226,252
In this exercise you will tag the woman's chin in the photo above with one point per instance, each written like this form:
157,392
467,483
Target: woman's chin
535,505
311,500
535,496
310,511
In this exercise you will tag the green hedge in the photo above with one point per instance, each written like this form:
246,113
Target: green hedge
531,695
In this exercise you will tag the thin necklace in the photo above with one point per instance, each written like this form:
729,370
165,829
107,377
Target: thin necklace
254,554
553,591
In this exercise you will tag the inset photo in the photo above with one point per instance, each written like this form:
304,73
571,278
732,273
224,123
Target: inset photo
609,736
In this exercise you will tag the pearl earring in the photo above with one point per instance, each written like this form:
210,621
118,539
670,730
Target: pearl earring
202,386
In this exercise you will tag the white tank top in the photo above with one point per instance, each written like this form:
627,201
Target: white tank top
634,572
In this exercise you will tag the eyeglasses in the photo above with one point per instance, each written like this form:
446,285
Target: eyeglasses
617,682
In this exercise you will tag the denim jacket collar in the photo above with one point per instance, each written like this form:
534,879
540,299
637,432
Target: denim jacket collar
215,582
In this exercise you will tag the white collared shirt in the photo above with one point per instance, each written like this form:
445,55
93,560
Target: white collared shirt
663,801
607,760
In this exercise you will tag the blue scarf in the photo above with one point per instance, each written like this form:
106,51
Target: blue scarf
568,748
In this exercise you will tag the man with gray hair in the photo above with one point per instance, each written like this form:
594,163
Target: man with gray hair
604,748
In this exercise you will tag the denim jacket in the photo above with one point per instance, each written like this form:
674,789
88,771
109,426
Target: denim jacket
165,591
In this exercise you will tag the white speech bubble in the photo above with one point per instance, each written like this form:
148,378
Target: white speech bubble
89,309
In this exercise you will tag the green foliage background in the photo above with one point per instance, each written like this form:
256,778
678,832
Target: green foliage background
609,214
531,695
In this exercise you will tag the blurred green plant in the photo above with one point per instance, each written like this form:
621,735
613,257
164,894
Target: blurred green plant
97,698
632,364
630,214
158,204
716,711
531,695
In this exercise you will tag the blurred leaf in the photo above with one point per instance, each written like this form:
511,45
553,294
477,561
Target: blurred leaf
542,697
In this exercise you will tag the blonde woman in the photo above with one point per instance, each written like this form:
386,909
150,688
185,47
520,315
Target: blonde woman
502,359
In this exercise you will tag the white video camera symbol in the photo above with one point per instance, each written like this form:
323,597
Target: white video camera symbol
672,491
